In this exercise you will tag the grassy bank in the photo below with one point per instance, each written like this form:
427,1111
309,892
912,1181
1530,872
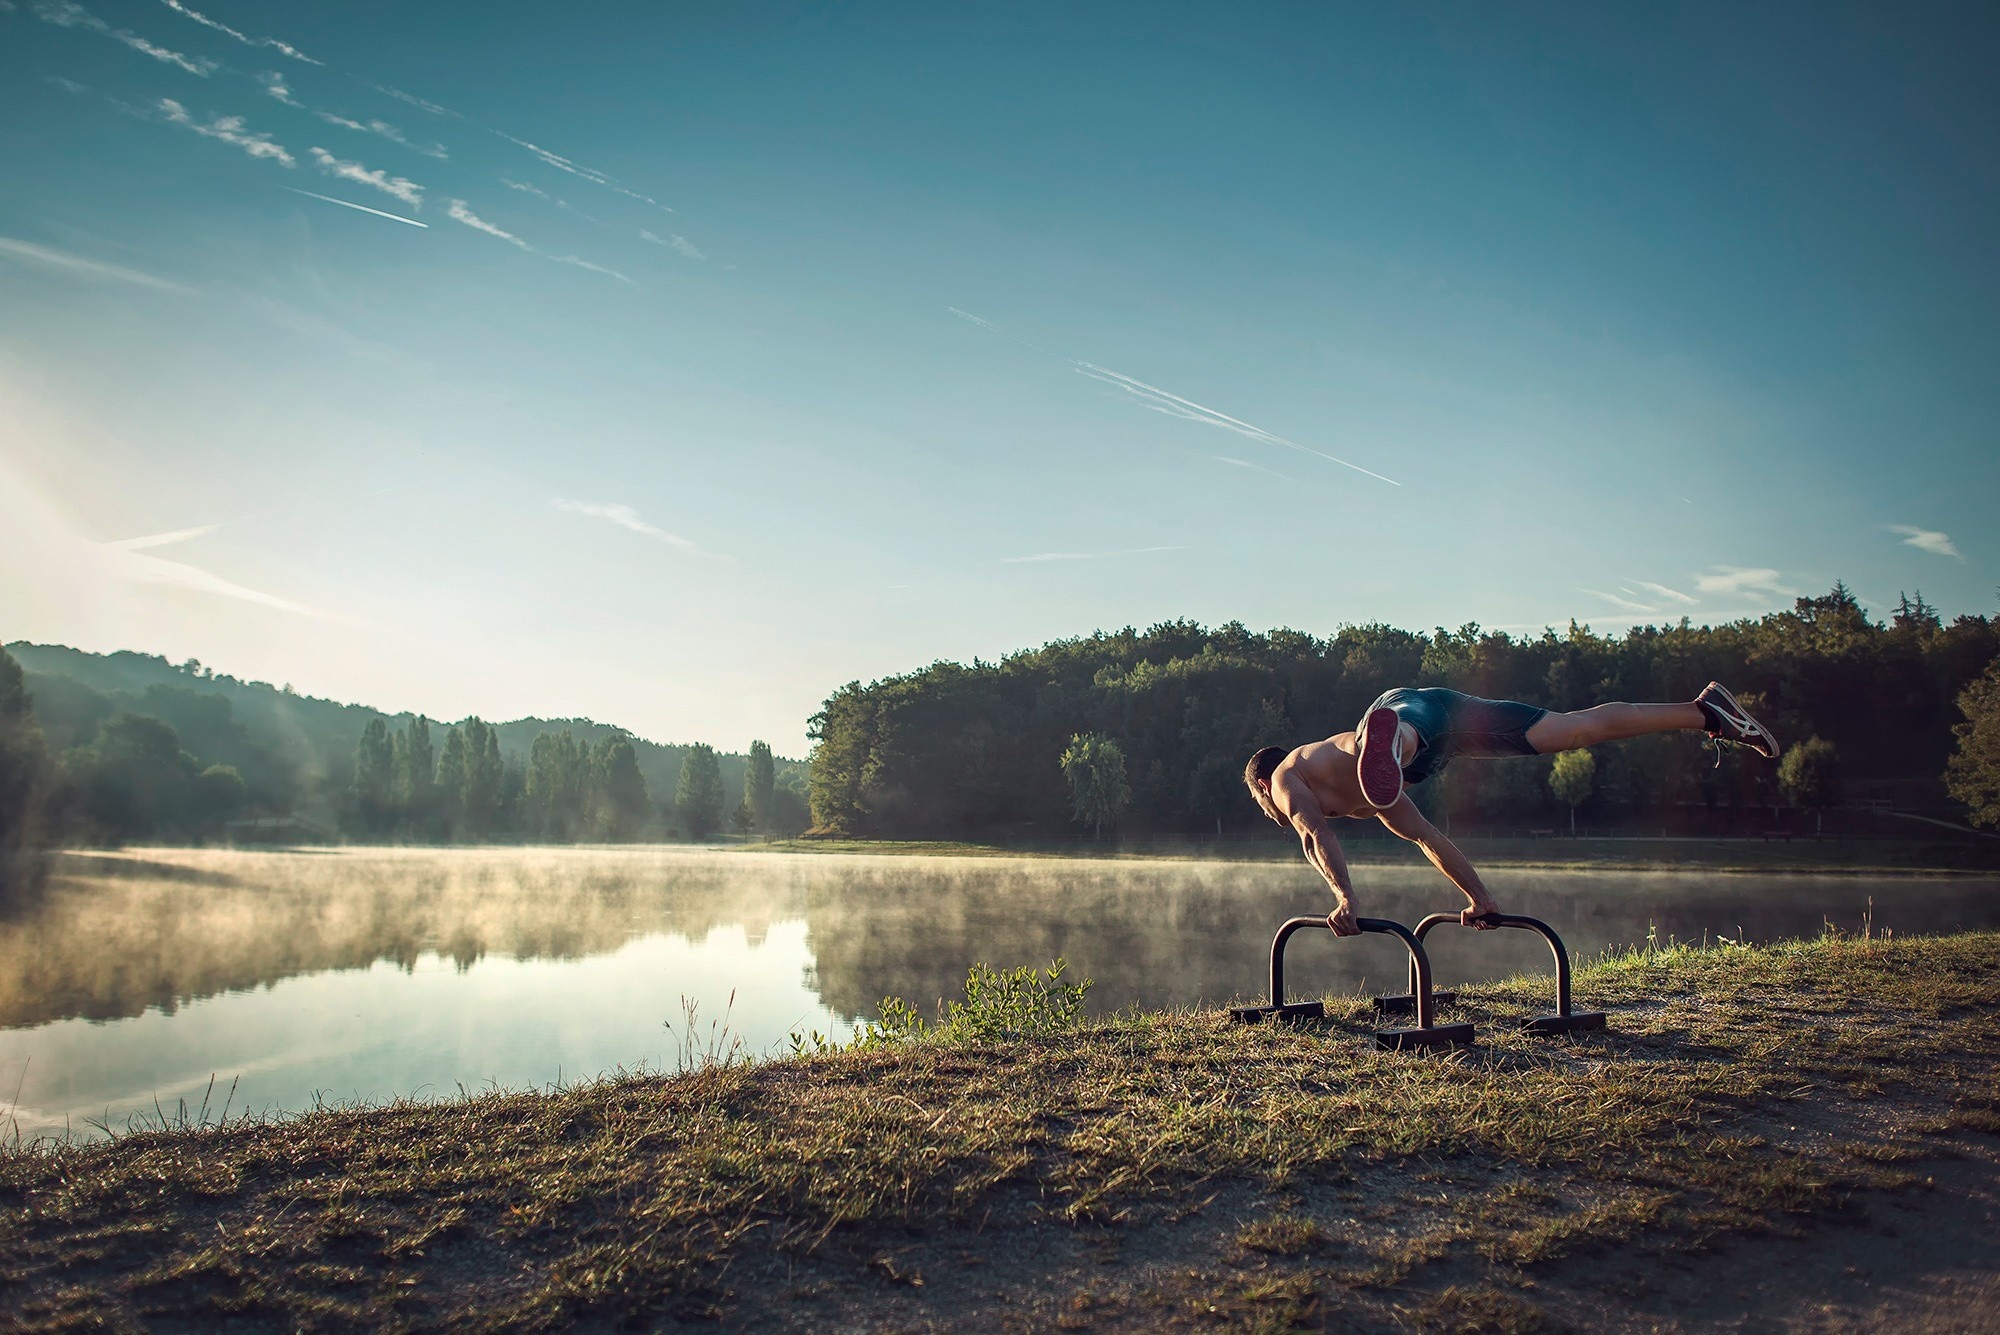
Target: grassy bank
1153,1169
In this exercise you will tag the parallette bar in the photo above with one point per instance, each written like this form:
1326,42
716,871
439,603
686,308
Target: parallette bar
1563,1021
1425,1034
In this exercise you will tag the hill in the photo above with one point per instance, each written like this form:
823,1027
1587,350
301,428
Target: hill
295,753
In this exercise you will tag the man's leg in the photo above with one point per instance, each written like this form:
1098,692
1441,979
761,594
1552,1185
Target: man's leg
1611,723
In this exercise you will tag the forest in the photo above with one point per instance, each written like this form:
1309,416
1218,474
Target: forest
1145,733
125,747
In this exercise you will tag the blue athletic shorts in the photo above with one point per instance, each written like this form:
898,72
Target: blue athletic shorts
1451,724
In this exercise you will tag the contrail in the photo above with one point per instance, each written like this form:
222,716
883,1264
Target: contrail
1164,401
360,208
1195,411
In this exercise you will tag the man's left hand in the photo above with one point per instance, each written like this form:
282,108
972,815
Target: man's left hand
1474,915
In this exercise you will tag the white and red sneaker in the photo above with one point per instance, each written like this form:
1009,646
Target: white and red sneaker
1731,722
1380,771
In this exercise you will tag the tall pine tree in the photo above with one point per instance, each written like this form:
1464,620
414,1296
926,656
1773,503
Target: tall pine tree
484,774
622,801
374,777
699,796
416,768
451,779
760,786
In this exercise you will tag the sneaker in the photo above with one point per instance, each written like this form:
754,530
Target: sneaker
1731,722
1381,773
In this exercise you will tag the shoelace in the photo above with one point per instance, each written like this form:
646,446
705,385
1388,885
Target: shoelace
1716,740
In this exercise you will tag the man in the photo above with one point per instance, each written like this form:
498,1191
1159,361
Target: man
1409,734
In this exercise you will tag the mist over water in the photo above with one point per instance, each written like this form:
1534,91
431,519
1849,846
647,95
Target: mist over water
369,974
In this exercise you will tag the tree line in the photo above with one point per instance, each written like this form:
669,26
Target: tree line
568,790
1147,732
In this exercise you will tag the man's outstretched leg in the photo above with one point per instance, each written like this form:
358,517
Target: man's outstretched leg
1715,712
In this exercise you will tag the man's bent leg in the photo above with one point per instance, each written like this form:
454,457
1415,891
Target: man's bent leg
1611,723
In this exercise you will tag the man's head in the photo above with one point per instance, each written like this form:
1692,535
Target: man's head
1257,778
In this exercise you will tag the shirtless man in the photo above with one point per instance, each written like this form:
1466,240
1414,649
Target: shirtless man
1409,734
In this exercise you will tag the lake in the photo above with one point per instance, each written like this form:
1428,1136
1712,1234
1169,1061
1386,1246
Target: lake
362,975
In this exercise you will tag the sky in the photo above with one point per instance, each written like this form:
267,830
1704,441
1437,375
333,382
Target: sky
673,365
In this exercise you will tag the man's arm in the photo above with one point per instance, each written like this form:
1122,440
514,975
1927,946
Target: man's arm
1322,850
1406,822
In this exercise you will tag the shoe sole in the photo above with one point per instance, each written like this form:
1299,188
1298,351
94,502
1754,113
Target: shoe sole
1760,736
1379,771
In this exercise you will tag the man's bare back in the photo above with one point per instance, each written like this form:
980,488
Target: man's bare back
1328,770
1321,780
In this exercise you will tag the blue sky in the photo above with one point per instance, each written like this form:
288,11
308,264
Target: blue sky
743,352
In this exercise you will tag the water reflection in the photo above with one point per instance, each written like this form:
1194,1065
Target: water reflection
374,973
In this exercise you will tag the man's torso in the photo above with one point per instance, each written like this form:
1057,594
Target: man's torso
1327,769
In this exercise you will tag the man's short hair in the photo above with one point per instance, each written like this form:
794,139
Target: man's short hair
1259,770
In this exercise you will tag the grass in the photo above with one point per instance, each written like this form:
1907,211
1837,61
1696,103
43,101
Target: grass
1740,1090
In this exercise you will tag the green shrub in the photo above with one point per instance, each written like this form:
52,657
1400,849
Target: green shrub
999,1004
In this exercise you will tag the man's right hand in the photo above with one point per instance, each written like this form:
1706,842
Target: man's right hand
1341,920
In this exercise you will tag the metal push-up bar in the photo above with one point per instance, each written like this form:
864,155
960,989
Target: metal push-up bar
1563,1021
1427,1033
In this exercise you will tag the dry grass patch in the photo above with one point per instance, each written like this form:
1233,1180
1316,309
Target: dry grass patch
1282,1235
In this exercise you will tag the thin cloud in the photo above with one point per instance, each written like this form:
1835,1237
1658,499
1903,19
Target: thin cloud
64,262
1171,404
546,197
984,324
1624,604
1758,582
230,130
415,101
459,213
178,574
69,14
359,208
163,539
384,130
1082,556
627,518
400,187
1662,591
272,43
1255,468
674,242
577,169
580,263
127,560
1928,540
274,84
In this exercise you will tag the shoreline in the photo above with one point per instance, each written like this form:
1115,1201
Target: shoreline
1147,1170
1608,854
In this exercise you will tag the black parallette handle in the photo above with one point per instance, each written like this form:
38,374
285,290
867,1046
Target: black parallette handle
1420,961
1536,925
